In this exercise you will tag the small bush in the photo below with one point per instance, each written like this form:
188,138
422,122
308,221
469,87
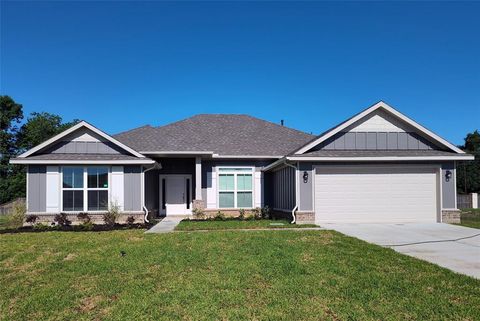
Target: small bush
31,219
86,226
62,219
41,227
198,213
241,214
130,220
17,216
110,217
84,217
219,216
257,213
266,212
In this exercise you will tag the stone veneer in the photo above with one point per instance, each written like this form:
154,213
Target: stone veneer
94,218
451,216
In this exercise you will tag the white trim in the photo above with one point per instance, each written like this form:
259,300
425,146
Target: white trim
378,159
73,129
81,162
26,192
455,182
198,178
162,211
177,152
245,156
389,109
235,190
274,164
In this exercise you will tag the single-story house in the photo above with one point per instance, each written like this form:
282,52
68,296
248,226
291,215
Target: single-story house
377,166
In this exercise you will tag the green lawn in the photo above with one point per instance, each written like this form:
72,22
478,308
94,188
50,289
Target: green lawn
233,275
470,218
191,225
3,222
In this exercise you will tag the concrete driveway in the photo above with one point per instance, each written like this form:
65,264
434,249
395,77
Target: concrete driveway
454,247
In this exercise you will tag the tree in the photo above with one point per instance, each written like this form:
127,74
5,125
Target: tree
40,127
468,173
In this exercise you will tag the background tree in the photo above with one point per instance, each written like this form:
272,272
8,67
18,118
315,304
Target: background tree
14,141
468,173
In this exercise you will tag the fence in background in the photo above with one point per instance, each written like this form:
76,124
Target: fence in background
468,201
7,207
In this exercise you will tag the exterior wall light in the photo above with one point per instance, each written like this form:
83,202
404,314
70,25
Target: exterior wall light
305,177
448,175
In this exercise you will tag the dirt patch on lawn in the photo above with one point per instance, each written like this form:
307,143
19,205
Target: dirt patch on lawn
90,303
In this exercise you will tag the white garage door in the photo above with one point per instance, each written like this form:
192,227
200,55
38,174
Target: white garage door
375,194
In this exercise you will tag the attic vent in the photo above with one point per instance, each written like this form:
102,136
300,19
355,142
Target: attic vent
281,122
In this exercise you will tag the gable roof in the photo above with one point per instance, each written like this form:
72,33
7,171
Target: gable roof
384,106
221,135
82,124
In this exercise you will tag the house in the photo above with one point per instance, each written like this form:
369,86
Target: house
377,166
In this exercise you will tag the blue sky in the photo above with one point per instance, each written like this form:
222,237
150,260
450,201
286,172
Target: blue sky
121,65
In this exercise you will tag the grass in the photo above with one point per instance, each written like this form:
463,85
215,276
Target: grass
233,275
191,225
470,218
3,222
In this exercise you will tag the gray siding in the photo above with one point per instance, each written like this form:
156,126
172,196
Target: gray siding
152,191
449,190
132,188
79,147
376,141
305,187
283,189
37,188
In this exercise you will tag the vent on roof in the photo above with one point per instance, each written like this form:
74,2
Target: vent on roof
281,122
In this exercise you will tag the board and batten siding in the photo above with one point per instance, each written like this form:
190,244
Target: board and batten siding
117,186
36,188
132,188
283,189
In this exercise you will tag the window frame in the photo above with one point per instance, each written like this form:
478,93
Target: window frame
85,188
62,189
229,170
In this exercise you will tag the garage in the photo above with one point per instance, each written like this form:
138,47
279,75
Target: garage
376,193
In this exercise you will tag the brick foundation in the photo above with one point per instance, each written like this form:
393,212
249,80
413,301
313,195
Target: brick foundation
451,216
305,217
94,218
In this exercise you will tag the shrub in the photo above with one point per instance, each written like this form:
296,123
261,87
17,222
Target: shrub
241,214
17,216
86,226
110,217
257,213
62,219
266,212
219,216
84,217
31,219
130,220
41,227
198,213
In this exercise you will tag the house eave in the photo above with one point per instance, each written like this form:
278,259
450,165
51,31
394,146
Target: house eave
81,162
380,158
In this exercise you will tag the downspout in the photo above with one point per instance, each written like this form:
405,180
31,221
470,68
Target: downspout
145,209
296,192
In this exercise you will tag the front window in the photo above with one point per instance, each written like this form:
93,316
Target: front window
95,189
73,188
235,188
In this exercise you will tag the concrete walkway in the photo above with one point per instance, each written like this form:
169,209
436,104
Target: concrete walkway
454,247
166,225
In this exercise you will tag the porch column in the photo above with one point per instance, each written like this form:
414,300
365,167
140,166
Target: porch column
198,178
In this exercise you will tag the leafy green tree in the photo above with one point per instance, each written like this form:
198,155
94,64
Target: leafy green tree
40,127
468,173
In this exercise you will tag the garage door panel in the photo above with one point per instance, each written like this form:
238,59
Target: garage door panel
375,194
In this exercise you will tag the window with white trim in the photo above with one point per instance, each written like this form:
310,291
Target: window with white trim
235,187
74,189
72,185
97,188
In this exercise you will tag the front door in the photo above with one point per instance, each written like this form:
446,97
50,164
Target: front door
175,194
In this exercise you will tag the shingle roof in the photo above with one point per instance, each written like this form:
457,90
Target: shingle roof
86,157
223,134
376,153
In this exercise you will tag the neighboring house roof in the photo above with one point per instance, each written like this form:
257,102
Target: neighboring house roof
218,134
82,159
384,106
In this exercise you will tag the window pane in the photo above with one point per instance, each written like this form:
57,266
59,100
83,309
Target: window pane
226,199
97,200
92,177
77,177
244,182
78,200
103,177
244,199
68,200
226,182
67,177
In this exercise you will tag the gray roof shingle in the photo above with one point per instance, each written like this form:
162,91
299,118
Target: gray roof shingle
86,157
376,153
223,134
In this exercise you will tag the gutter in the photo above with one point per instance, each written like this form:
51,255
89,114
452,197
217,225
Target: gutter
145,209
296,192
